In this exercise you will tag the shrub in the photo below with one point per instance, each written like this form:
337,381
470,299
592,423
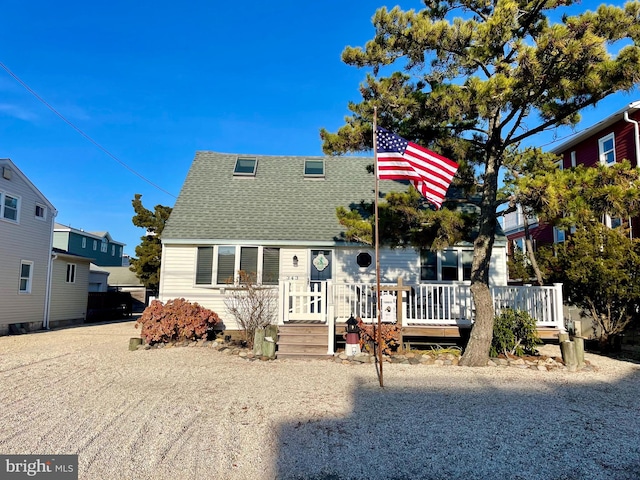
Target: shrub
176,320
254,306
515,333
390,336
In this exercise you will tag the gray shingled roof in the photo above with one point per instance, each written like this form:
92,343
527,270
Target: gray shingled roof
277,205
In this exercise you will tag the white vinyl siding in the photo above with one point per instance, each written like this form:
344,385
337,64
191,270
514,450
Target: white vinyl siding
69,299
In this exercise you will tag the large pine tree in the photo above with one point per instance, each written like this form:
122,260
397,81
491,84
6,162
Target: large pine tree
146,265
472,79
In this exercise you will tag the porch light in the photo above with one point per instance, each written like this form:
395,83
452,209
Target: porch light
295,260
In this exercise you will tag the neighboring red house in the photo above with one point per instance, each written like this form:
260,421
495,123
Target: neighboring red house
612,140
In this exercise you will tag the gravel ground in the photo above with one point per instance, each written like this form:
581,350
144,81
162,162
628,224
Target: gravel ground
195,413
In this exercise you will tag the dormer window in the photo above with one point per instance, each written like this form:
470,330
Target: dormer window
245,167
314,168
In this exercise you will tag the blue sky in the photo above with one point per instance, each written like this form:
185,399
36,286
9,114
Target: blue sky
153,82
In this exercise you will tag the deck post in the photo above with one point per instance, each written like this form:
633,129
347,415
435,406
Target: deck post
331,319
557,304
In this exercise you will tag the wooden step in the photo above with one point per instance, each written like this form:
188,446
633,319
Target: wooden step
302,341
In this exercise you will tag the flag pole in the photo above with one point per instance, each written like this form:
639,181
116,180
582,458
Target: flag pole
377,241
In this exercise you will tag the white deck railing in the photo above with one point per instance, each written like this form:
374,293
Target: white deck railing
423,304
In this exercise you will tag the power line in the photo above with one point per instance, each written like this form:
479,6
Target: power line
68,122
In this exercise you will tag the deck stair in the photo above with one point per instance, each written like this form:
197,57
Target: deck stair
302,341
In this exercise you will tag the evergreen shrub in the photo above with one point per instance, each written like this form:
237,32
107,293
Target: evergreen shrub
514,333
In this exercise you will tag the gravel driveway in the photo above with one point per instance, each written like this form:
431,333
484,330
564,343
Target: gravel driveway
195,413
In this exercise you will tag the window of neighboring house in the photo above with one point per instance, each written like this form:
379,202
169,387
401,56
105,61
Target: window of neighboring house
262,263
41,212
559,235
573,158
84,242
519,245
95,245
71,273
9,207
26,276
560,164
113,250
245,167
614,222
428,265
104,245
120,252
314,168
606,146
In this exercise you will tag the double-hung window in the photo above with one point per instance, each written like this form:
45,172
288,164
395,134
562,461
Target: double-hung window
607,149
9,207
71,273
220,265
104,245
447,265
26,276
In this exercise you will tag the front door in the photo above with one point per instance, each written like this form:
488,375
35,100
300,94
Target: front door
321,267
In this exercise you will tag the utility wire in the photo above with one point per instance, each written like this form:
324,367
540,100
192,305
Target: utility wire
42,100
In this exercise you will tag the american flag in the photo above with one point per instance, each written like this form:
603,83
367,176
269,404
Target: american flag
399,159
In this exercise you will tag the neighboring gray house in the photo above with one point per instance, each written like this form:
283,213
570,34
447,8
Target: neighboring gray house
69,288
121,279
276,216
26,236
98,279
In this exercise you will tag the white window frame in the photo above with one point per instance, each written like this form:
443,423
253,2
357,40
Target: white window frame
609,221
120,255
95,245
440,260
43,208
104,246
574,160
84,242
3,197
603,154
113,250
28,279
71,273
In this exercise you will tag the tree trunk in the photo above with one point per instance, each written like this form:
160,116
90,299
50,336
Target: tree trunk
476,353
529,246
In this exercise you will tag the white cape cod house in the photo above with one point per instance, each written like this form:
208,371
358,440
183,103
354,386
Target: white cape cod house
276,216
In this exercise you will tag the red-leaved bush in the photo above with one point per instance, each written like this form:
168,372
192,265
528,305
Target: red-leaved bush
390,336
176,320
